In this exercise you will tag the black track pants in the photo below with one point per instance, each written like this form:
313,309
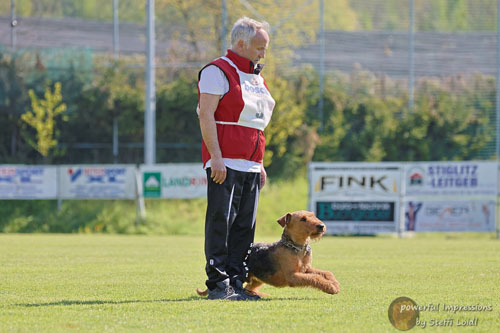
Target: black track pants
230,225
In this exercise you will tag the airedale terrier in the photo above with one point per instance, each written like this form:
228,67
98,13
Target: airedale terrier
288,261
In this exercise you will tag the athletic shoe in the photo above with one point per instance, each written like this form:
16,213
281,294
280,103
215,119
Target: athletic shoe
224,290
243,293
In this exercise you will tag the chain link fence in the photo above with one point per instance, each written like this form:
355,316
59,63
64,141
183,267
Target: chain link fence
402,46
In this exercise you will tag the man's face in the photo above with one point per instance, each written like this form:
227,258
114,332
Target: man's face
257,48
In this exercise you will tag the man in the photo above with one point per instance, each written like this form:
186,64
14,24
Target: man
234,107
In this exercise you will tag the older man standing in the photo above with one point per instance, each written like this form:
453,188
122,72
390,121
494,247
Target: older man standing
234,107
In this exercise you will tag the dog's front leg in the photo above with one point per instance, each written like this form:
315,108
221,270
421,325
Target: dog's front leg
326,274
312,280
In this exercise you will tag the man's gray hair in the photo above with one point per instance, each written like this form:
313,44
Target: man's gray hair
245,29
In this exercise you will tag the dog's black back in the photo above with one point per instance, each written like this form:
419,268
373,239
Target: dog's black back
260,260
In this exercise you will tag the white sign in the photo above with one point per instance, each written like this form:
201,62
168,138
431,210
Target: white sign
97,182
28,182
361,198
465,215
179,180
471,178
348,180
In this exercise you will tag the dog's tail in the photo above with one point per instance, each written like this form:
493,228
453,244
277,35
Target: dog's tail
202,292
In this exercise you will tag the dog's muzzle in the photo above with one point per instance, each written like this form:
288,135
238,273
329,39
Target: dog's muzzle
320,230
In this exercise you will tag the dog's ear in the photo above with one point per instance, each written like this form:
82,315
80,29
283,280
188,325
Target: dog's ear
284,220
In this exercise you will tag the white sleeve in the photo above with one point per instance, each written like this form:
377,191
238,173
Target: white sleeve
213,81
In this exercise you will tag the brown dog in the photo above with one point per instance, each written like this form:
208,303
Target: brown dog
288,261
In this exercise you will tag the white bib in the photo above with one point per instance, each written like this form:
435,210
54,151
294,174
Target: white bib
258,102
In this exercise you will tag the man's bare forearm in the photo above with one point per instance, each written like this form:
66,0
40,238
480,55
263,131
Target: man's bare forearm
209,134
208,105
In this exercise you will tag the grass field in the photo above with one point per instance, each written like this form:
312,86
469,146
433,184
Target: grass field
139,283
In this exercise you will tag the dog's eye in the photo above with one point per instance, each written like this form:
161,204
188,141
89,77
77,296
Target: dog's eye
303,219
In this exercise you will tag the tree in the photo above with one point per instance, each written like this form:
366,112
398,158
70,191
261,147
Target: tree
13,100
42,119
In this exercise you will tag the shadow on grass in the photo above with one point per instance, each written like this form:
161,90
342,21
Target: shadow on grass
103,302
187,299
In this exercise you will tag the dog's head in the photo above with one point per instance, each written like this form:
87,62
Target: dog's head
302,224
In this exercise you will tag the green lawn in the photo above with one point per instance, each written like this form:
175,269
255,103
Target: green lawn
128,283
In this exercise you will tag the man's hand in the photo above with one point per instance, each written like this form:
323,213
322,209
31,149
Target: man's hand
218,170
263,176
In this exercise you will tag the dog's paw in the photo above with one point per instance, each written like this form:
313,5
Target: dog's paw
333,288
329,276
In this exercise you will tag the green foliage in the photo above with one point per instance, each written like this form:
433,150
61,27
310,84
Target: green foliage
164,217
42,118
13,93
13,101
115,92
451,121
443,127
284,128
177,121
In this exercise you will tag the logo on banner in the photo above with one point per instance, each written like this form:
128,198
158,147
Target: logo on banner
416,177
25,175
6,179
186,181
411,215
73,175
453,176
97,175
152,184
487,213
342,182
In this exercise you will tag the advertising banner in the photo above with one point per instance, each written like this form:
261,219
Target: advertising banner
359,217
28,182
466,215
470,178
349,180
97,181
361,198
179,180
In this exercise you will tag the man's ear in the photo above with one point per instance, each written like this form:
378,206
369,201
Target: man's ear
284,220
241,45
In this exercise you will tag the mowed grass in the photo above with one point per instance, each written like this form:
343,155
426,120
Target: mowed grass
51,283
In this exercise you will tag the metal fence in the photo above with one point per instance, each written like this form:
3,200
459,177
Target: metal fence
404,41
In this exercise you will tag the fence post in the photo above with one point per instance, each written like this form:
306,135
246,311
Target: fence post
223,29
411,51
402,203
116,33
58,186
149,116
13,24
321,63
139,195
115,139
497,219
497,141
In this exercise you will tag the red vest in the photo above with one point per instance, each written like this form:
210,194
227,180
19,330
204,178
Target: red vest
243,112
